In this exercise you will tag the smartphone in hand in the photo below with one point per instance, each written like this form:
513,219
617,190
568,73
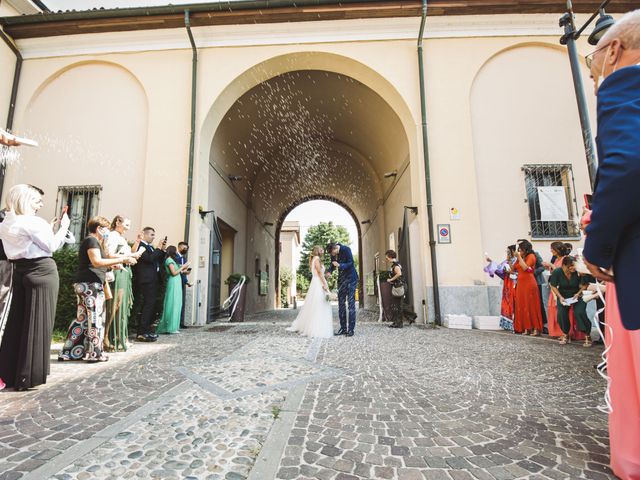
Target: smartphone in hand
587,200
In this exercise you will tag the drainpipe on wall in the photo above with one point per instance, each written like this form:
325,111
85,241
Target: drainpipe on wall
14,93
427,171
194,77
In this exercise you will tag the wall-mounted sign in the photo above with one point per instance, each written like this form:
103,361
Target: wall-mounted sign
264,282
369,284
444,233
454,213
553,204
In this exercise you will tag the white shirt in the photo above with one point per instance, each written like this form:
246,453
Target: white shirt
29,236
115,240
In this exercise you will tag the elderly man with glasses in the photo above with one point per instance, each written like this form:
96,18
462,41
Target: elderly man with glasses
612,247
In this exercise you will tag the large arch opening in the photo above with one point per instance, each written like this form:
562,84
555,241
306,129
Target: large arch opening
300,135
356,243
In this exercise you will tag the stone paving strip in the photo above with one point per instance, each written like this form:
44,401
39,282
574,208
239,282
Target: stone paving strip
451,405
254,401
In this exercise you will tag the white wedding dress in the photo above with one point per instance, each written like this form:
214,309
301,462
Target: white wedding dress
315,318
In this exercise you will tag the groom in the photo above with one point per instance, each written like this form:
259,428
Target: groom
342,259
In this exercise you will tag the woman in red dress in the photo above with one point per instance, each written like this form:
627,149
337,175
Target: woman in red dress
528,315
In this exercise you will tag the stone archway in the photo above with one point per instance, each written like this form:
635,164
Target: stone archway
297,127
281,220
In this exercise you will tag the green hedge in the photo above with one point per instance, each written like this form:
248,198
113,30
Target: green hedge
67,261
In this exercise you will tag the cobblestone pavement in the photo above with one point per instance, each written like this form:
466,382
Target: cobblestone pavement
385,404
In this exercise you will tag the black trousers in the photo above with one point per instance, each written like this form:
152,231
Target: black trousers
396,311
542,304
144,305
184,294
26,344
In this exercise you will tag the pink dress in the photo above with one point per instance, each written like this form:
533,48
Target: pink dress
624,370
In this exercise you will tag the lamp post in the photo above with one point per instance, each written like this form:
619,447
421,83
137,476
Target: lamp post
569,39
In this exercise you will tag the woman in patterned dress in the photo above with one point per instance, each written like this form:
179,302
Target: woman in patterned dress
86,333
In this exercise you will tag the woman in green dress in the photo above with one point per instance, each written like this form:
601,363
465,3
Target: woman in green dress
567,285
170,320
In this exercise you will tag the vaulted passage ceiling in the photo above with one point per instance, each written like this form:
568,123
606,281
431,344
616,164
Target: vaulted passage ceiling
310,133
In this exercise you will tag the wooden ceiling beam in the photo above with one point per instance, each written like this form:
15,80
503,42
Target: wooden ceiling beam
100,22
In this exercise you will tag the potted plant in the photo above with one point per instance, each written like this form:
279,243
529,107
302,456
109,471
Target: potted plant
385,293
237,314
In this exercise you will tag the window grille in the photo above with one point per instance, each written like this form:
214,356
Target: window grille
550,176
83,202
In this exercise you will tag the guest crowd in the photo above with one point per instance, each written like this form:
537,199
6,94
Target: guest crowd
524,274
114,281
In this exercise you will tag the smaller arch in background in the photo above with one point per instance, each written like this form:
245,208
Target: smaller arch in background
281,220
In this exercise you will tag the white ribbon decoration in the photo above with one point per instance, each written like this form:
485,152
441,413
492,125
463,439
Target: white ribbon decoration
234,296
379,299
608,342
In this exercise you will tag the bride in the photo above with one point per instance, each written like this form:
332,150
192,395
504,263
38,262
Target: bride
315,317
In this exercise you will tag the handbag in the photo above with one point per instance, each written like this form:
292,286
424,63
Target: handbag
398,290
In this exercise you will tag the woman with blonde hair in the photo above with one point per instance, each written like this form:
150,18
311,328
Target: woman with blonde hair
29,242
315,317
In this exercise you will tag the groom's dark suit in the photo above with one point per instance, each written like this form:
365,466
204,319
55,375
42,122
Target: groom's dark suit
347,283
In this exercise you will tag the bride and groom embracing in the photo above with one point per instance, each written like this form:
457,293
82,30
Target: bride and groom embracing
315,318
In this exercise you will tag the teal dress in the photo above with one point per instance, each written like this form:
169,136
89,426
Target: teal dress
170,320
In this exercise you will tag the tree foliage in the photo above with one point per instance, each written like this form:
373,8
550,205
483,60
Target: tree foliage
286,278
67,261
321,234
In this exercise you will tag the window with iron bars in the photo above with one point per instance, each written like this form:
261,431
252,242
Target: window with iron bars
83,202
550,176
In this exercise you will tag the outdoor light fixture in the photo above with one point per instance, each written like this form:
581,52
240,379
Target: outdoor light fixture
235,178
603,24
569,38
364,222
268,224
413,210
203,213
391,174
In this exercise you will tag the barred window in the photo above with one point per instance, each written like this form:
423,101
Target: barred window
551,198
83,202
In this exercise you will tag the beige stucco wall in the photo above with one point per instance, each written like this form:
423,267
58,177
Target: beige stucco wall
7,67
461,166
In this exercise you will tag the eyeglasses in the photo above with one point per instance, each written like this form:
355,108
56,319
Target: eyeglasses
588,59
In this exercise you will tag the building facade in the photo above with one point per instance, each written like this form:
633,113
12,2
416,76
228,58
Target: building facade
300,103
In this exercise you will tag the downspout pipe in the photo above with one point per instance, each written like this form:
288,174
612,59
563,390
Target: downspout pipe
427,171
192,144
14,92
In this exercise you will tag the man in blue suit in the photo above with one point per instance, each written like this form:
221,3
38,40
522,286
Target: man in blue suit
342,259
613,236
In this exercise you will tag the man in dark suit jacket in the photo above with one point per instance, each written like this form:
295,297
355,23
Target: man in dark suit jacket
342,259
146,280
613,236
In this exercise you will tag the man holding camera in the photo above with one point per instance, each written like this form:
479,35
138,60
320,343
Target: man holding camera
183,248
146,280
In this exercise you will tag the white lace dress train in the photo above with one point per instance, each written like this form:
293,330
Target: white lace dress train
315,318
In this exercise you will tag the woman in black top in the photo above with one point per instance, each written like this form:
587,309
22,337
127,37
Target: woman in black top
395,278
86,332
